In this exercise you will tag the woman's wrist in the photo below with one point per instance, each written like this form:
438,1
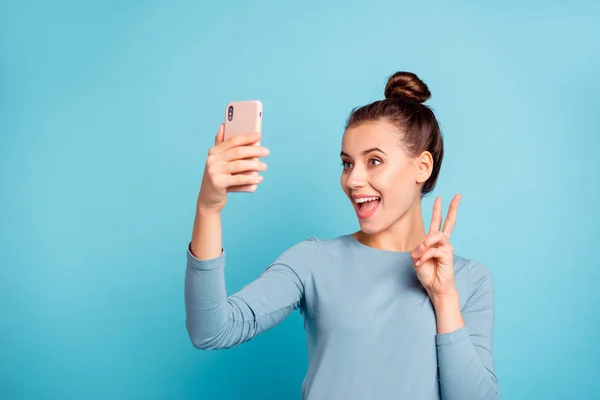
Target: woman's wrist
447,312
206,240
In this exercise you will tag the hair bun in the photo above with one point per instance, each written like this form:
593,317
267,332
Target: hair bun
406,84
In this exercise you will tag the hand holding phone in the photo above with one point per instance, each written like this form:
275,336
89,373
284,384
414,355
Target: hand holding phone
243,117
233,162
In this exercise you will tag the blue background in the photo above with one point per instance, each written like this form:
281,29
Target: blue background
107,111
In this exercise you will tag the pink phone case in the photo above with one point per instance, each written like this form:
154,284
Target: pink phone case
242,117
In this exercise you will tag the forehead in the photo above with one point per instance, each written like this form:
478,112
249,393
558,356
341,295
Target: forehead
371,134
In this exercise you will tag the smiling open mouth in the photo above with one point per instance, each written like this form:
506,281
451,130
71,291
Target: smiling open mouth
366,206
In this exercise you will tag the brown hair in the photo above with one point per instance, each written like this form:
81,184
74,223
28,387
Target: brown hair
418,128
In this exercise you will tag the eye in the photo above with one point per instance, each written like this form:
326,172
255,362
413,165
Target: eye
373,162
346,165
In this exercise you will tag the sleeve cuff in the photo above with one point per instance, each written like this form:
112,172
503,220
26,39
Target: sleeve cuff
205,265
451,337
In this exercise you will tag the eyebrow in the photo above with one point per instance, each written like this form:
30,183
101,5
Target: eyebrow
372,149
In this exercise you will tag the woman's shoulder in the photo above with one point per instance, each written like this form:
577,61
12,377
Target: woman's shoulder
306,252
470,266
472,275
311,246
322,241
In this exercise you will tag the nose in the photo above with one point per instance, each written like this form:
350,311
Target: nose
357,178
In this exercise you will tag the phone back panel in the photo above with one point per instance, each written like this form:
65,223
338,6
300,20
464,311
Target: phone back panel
243,117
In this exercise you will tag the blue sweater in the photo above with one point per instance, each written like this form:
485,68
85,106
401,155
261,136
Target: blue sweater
371,329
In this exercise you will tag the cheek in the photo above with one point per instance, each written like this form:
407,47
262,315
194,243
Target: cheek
344,183
393,183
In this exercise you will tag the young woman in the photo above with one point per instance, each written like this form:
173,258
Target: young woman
390,311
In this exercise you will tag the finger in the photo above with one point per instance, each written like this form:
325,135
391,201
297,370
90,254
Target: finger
432,252
220,134
417,253
243,152
243,180
238,166
451,218
435,239
243,188
237,141
436,217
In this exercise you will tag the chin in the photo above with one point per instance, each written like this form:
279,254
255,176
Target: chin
371,227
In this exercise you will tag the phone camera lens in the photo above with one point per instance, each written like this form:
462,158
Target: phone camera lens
230,113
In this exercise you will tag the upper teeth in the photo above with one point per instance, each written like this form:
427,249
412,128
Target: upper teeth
365,199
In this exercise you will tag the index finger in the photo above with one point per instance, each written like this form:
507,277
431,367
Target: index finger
237,141
220,134
451,218
436,217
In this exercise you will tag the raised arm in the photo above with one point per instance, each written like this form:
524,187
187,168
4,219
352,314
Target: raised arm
227,169
213,319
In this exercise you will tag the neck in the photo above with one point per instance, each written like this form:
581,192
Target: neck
403,236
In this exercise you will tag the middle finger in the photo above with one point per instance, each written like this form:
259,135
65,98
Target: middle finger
243,152
237,166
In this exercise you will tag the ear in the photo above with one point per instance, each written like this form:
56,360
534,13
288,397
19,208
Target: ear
423,166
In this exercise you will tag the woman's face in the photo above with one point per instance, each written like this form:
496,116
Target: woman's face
378,176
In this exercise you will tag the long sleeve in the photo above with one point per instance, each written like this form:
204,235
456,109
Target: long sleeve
215,320
465,356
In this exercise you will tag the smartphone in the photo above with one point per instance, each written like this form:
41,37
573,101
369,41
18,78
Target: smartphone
242,117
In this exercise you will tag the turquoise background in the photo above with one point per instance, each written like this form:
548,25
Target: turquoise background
107,111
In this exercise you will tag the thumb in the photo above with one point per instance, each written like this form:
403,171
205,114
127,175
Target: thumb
417,253
220,134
